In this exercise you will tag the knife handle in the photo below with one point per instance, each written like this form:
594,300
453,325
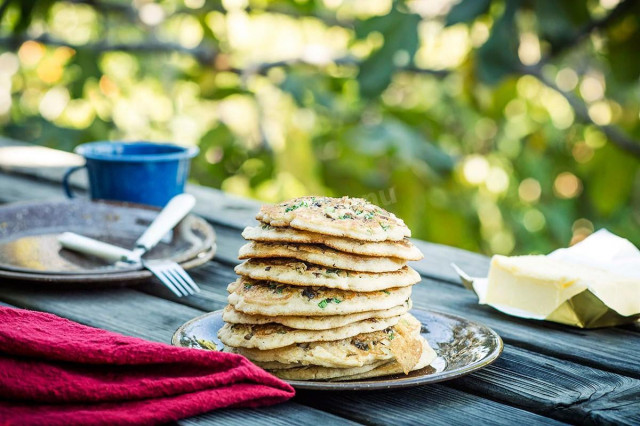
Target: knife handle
175,210
86,245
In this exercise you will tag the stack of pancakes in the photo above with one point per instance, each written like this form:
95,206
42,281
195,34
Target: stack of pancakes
325,292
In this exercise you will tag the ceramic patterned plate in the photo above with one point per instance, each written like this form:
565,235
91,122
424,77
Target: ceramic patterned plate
29,249
462,347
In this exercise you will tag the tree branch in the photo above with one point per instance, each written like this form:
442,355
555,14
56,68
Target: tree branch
620,10
132,13
617,137
204,55
264,67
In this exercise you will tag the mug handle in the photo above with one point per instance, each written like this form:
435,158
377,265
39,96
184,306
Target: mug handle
65,180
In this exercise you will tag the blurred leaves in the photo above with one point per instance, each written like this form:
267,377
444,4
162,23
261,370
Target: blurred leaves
624,60
613,180
425,112
27,9
466,11
498,56
400,33
560,22
395,139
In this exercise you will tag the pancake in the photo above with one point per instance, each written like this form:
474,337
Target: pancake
427,357
313,372
377,369
291,271
346,217
271,336
355,351
275,299
232,316
406,346
320,255
276,365
403,249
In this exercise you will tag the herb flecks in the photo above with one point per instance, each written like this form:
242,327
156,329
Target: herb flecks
276,288
296,206
333,271
324,302
383,226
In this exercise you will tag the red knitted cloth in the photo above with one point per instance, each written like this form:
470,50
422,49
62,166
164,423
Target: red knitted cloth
57,372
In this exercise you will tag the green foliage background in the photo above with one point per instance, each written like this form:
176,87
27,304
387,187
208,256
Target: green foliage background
496,126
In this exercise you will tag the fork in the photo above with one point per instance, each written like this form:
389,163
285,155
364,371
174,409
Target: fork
170,273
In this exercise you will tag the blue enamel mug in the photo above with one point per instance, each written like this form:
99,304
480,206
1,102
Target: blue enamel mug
137,172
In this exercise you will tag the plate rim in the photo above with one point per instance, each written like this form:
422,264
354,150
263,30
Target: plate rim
365,385
124,277
112,276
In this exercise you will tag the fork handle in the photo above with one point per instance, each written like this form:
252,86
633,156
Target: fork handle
86,245
175,210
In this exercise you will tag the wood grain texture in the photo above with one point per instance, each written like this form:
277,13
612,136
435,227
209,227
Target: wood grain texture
438,258
137,314
212,278
122,310
20,188
555,388
433,405
539,383
290,413
133,313
564,373
609,349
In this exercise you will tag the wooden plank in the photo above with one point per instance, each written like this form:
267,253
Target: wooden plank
459,300
137,314
290,413
228,241
212,278
555,388
234,215
121,310
523,378
20,188
438,258
433,405
133,313
609,349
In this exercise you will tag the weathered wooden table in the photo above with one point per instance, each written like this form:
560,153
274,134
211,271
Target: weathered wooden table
547,373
